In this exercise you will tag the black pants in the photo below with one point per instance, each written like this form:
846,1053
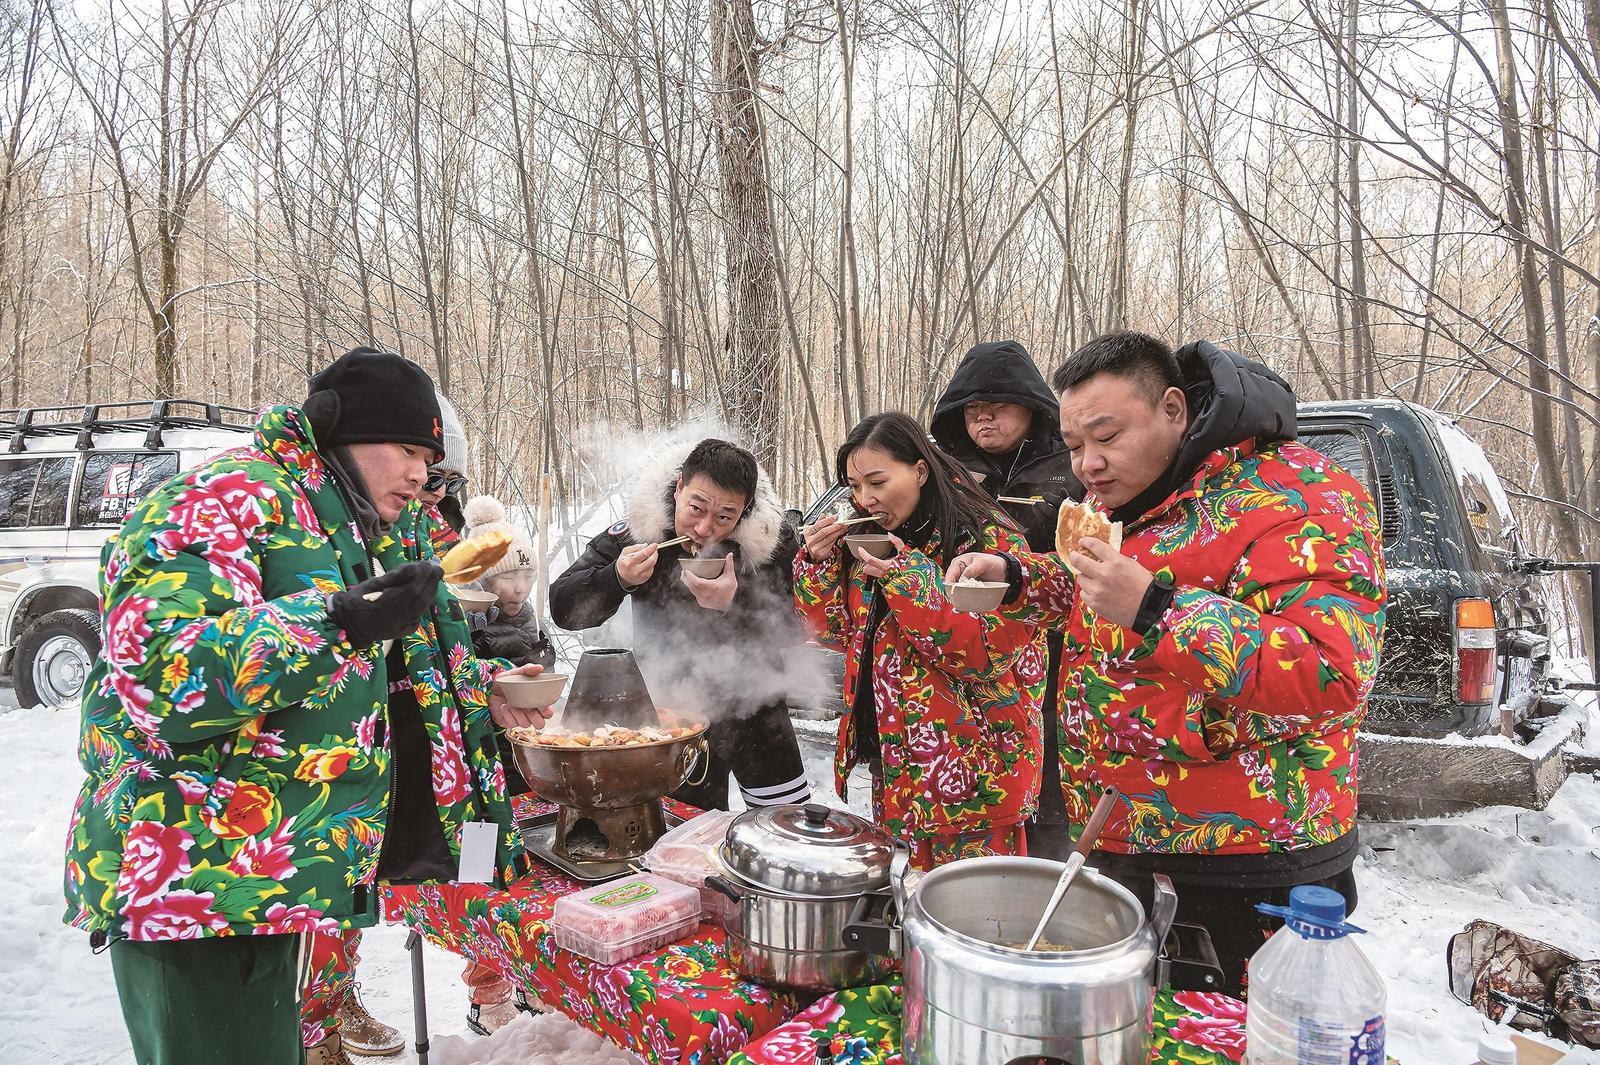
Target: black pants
759,749
1228,910
1048,830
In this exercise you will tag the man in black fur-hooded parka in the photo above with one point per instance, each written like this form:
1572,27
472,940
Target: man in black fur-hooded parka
712,645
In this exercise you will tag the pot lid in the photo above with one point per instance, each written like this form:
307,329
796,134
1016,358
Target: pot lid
807,850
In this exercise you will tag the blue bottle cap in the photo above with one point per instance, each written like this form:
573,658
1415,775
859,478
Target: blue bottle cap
1322,903
1313,913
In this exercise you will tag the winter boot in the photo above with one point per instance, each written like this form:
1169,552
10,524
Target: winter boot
488,1018
362,1033
330,1051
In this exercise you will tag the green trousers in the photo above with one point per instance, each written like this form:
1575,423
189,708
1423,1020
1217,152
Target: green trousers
223,1000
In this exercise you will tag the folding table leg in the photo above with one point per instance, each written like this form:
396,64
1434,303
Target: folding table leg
419,996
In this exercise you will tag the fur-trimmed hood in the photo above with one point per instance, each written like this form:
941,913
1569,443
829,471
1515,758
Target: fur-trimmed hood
650,508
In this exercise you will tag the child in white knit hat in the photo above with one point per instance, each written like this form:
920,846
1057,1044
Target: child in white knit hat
508,629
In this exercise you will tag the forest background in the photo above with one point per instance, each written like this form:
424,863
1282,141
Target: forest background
593,219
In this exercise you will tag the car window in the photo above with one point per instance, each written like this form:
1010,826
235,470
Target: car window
113,481
16,491
1346,449
50,491
1484,497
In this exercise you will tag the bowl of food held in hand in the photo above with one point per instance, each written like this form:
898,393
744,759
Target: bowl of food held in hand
530,693
474,600
878,545
975,596
705,568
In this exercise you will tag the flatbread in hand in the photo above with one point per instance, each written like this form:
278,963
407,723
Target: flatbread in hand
1078,522
468,560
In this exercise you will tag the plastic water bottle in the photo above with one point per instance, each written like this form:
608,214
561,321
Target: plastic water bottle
1315,999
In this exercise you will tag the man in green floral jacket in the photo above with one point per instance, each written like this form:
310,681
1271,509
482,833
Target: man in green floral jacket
287,710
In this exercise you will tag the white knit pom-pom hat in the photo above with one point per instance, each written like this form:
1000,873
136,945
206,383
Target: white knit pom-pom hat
485,514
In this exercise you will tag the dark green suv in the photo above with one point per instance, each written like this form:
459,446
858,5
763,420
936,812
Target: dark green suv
1467,628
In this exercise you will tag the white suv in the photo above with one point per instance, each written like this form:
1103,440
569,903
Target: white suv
68,475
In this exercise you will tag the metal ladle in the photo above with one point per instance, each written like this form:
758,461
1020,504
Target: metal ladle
1075,860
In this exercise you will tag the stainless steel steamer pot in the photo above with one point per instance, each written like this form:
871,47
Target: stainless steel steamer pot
798,874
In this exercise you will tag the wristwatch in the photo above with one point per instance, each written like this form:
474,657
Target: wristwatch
1156,599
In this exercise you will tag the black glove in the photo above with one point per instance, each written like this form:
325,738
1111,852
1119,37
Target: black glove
398,600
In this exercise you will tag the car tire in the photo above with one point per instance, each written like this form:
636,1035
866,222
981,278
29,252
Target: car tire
53,657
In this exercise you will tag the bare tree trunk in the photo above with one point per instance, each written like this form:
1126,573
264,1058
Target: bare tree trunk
441,352
849,281
1429,308
752,285
1204,147
1551,465
626,285
1360,318
1134,28
797,349
257,316
11,179
1591,32
550,459
1067,296
1180,327
1547,163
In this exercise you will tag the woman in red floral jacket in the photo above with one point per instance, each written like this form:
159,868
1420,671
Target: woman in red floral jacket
944,704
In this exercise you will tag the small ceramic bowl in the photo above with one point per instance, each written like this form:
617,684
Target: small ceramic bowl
708,568
473,600
878,545
976,597
532,692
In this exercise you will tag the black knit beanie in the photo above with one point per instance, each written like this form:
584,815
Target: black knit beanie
375,397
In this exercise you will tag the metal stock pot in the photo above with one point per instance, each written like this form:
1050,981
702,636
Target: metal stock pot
798,874
973,994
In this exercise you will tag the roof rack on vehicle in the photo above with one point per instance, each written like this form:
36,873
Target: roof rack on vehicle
153,417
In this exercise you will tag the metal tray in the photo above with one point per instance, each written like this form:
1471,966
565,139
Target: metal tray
539,838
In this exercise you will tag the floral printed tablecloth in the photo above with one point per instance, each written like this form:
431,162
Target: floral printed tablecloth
861,1026
680,1006
684,1005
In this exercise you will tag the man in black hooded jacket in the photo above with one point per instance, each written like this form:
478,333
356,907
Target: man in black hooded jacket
1000,420
1002,423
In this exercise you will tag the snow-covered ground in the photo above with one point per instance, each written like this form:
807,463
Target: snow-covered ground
1420,882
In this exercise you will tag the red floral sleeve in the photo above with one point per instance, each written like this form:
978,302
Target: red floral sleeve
819,596
1049,593
955,641
1298,635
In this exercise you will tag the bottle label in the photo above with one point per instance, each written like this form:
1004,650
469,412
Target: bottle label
1368,1046
1331,1044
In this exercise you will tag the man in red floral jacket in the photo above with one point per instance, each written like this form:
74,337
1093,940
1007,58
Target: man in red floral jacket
1216,668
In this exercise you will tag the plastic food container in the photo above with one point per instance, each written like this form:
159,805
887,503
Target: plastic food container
687,854
613,922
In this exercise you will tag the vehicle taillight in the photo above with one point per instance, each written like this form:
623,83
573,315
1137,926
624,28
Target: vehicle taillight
1475,650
